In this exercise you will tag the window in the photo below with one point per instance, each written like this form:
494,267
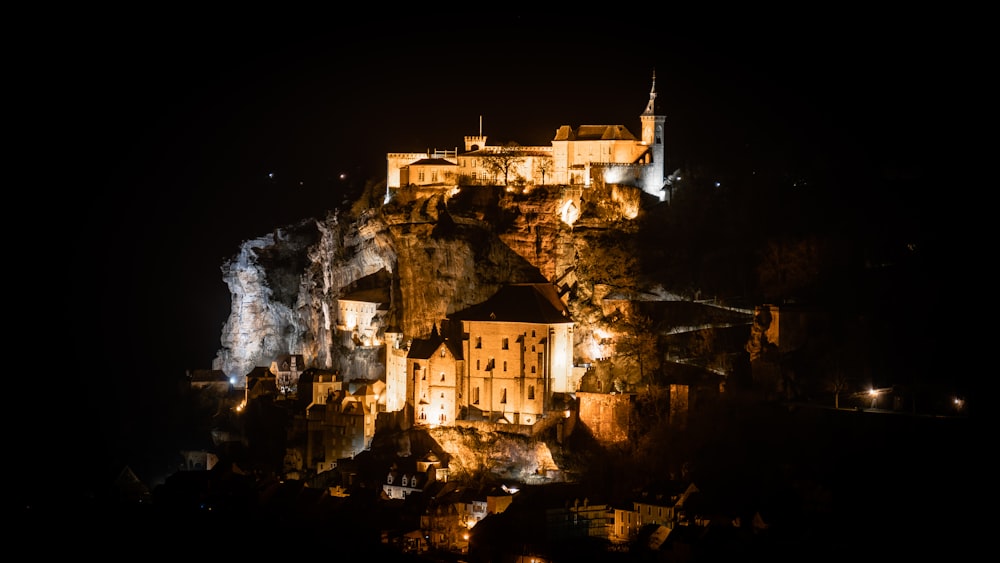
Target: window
532,333
532,369
505,345
505,365
442,396
442,351
477,365
442,376
421,175
503,395
531,392
479,342
434,176
475,396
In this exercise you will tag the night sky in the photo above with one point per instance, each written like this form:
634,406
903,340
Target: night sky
185,139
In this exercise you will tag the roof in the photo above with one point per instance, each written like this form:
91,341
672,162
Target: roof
260,372
202,375
594,133
520,302
433,162
424,348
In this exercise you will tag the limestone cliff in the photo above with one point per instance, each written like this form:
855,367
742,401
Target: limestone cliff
440,252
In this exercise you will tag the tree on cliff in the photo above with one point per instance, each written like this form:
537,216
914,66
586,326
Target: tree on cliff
503,160
636,348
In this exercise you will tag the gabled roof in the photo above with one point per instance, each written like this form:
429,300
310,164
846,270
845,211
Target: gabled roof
520,302
425,348
260,372
594,133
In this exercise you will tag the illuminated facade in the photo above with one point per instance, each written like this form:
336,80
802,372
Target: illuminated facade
360,315
435,372
287,368
584,155
514,354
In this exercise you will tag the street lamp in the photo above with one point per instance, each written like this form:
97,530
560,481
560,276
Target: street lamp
874,395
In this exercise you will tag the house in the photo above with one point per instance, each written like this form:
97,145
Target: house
360,315
260,383
584,155
453,510
405,478
348,423
286,369
655,507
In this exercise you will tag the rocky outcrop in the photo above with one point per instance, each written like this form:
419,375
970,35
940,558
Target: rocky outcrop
442,252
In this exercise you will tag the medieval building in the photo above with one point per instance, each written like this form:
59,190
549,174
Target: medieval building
583,155
503,362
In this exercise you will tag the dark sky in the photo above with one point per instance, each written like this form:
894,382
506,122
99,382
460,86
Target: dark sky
173,128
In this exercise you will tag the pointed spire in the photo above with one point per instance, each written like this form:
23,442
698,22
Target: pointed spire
651,106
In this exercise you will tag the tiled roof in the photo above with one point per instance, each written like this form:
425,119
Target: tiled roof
526,303
594,133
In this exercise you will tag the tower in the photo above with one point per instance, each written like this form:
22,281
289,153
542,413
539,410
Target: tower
652,136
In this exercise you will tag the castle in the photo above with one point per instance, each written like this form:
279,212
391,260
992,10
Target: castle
584,156
507,361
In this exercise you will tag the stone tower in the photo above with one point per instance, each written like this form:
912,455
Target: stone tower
652,136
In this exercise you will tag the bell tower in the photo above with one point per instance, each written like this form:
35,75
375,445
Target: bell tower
652,136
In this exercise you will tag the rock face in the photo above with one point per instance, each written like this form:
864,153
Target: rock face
440,252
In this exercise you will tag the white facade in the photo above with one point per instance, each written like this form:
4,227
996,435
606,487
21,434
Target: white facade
577,156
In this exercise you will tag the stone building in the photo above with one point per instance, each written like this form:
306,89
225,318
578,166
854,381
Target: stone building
435,379
503,361
518,350
583,155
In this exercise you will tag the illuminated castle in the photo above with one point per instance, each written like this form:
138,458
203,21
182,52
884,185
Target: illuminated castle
585,155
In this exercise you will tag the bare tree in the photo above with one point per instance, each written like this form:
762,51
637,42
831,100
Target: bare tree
637,342
504,160
544,166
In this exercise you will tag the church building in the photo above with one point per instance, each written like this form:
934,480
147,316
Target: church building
513,356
